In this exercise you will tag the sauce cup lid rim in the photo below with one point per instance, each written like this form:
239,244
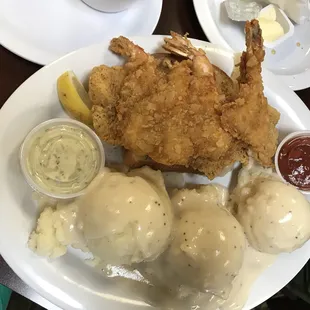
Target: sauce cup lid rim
37,128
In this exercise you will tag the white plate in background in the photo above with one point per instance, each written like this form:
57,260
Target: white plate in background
68,281
290,61
44,30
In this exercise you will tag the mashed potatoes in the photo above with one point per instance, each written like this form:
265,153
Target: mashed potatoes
56,229
274,215
121,220
127,219
208,246
188,252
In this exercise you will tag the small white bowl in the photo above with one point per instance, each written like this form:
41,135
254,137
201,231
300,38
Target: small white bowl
286,139
284,21
26,147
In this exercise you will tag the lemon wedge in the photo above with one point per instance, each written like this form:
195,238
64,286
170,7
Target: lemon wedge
74,98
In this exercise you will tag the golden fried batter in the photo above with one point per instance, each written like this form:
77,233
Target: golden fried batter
105,84
175,115
250,118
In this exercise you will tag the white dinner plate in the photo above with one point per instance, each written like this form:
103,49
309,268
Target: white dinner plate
43,31
290,61
68,281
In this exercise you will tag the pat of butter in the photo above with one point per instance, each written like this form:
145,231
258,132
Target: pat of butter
269,14
297,10
271,29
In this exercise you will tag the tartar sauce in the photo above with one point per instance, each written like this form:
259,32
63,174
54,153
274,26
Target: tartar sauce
62,158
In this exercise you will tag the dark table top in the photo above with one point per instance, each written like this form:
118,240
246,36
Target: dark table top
177,15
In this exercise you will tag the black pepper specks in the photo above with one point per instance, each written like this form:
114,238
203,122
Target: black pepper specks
157,203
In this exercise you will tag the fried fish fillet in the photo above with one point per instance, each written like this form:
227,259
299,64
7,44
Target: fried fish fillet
105,84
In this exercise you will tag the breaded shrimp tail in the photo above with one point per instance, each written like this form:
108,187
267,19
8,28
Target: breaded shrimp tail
250,118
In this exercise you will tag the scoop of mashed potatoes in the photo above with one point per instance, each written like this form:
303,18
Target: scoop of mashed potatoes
127,218
274,215
208,246
122,219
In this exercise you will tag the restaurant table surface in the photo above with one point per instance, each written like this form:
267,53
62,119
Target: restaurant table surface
177,15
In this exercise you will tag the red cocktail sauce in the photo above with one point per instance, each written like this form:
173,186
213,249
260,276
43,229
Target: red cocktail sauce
294,162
